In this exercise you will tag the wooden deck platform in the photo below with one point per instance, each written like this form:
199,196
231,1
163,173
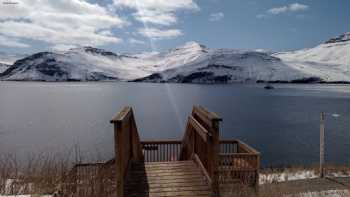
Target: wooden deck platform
199,165
179,178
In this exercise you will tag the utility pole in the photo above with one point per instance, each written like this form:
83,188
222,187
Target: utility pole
322,128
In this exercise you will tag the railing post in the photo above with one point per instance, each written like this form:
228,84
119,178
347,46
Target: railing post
118,158
135,140
215,157
257,173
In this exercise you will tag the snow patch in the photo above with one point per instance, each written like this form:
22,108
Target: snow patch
327,193
287,176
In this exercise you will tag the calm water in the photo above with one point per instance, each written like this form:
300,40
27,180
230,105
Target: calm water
283,124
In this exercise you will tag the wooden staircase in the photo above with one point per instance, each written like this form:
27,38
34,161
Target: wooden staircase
177,178
199,165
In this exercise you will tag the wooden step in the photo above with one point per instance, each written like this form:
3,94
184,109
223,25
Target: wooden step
178,178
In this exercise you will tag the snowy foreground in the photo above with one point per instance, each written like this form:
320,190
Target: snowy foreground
190,63
327,193
268,178
292,175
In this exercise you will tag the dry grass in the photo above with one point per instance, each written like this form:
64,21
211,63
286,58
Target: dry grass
47,173
39,174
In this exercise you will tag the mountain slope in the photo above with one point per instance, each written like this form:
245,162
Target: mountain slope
194,63
81,64
329,61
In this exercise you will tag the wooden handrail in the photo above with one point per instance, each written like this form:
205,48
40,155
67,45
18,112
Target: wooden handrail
201,143
161,142
246,148
128,148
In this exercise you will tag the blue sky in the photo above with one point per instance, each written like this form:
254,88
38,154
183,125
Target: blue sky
28,26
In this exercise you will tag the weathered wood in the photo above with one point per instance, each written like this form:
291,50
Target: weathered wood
160,151
187,180
201,166
127,146
322,128
242,163
151,168
202,139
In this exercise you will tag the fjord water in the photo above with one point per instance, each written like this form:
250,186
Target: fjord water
283,124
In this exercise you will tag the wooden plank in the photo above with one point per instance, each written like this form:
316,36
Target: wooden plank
172,189
161,142
203,170
142,168
178,193
122,115
165,174
183,183
201,131
247,148
167,178
211,115
162,170
180,179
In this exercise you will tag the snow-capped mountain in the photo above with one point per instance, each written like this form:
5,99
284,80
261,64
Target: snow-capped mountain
329,61
190,63
79,64
194,63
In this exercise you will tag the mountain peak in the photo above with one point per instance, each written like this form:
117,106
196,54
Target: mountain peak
93,50
192,45
342,38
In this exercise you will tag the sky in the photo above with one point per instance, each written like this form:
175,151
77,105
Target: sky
129,26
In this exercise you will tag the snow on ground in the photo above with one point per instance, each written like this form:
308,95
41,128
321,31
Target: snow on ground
327,193
292,175
287,176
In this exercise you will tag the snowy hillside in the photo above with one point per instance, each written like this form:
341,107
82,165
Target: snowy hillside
194,63
190,63
329,61
80,64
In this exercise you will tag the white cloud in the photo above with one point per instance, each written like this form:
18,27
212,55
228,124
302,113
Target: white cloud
158,34
294,7
278,10
216,16
11,42
59,22
298,7
136,41
159,12
156,13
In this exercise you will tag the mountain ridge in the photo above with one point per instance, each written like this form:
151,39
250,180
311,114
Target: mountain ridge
189,63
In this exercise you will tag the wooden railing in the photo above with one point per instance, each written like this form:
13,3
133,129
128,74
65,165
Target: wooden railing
158,151
201,143
128,147
238,161
222,162
89,180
